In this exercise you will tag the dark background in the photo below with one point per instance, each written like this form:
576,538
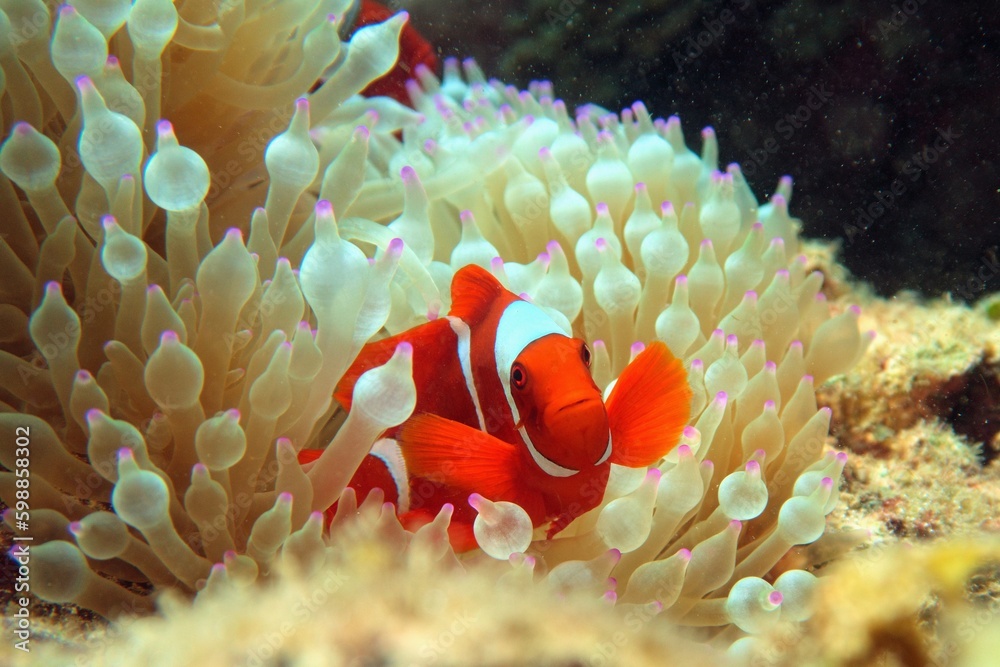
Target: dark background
898,73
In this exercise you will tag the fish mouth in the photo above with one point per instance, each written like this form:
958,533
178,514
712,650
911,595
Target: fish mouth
577,403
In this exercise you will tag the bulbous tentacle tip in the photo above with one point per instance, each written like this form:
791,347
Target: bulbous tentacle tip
85,84
324,208
169,338
164,129
395,247
234,234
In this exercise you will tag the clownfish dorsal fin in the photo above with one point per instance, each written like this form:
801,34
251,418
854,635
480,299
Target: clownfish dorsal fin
454,454
648,407
473,291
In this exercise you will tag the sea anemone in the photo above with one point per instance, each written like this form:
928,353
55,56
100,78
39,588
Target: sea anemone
192,261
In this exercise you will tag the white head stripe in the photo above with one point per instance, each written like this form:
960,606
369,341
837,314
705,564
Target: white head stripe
548,466
607,453
521,324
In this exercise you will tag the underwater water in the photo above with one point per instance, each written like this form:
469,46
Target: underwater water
850,98
532,332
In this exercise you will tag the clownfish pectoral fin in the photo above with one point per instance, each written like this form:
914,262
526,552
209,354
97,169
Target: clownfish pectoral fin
427,340
451,453
473,291
648,407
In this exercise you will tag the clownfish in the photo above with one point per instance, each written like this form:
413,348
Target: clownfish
414,50
506,408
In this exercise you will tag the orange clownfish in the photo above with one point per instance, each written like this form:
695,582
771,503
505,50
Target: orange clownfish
506,408
414,51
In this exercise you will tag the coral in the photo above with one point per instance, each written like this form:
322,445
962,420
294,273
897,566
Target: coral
369,605
912,478
914,365
922,453
201,283
879,609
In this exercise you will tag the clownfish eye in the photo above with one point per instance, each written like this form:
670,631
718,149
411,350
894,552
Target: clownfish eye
518,376
585,355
